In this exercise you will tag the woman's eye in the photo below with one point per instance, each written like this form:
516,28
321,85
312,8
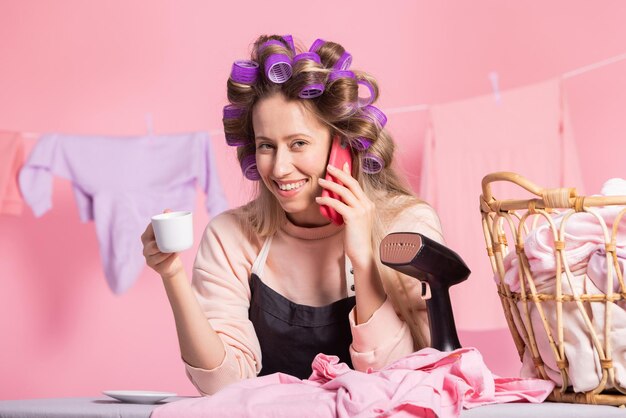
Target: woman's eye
263,146
299,144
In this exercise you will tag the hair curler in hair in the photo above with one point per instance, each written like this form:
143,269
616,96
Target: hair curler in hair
344,61
307,56
336,74
375,114
235,140
270,42
244,71
436,265
372,164
316,45
249,169
289,40
278,68
366,101
311,91
233,112
361,143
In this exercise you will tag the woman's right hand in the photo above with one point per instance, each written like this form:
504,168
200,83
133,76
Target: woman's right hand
166,264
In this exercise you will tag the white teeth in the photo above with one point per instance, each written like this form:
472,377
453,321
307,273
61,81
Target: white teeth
291,186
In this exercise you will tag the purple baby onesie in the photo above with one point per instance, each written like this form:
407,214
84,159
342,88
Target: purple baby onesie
120,182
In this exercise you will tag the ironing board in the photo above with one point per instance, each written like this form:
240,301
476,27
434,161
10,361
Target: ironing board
109,408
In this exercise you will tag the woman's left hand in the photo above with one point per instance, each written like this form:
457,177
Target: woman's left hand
357,211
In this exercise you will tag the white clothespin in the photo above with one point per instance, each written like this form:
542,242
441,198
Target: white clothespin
493,77
149,124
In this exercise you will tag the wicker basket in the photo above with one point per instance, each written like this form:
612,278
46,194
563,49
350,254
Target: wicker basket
536,316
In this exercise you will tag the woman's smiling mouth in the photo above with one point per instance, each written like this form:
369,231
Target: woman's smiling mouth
289,188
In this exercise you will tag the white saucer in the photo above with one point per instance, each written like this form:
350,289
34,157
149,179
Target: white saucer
138,396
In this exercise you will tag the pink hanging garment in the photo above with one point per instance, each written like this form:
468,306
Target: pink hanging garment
427,383
11,160
527,132
119,183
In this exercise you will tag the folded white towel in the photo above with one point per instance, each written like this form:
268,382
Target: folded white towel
586,258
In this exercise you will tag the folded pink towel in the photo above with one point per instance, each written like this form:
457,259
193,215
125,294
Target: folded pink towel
425,383
11,160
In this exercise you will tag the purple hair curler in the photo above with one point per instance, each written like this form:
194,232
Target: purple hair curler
316,45
233,112
375,114
278,68
289,40
244,71
361,143
372,164
307,56
235,140
344,61
248,167
270,42
311,91
334,75
366,101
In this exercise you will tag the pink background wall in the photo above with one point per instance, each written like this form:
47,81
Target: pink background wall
98,67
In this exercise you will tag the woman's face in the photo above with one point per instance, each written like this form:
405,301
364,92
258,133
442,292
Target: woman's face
292,148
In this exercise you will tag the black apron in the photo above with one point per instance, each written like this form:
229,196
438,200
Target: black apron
290,334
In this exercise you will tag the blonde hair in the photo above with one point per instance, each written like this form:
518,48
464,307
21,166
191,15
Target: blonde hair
337,108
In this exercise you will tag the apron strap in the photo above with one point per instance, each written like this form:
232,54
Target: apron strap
259,263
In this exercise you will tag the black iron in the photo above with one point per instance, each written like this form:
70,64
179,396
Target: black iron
418,256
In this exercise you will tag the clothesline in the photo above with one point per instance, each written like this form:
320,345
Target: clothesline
594,66
411,108
36,135
565,76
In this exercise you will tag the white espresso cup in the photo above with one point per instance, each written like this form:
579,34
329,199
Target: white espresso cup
173,231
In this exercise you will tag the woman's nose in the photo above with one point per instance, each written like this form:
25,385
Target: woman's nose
282,163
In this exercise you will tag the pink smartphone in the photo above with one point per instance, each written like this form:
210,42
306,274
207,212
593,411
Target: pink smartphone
339,155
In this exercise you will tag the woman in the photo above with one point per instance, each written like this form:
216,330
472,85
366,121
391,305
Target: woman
275,282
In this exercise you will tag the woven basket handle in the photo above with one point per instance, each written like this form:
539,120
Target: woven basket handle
547,198
510,177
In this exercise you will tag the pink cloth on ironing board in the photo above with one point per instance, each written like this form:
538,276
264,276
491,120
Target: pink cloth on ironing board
587,260
425,383
11,160
527,132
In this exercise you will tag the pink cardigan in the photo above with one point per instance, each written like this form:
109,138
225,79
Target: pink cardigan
315,256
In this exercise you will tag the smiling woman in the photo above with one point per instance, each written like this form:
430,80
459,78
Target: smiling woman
291,164
275,282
